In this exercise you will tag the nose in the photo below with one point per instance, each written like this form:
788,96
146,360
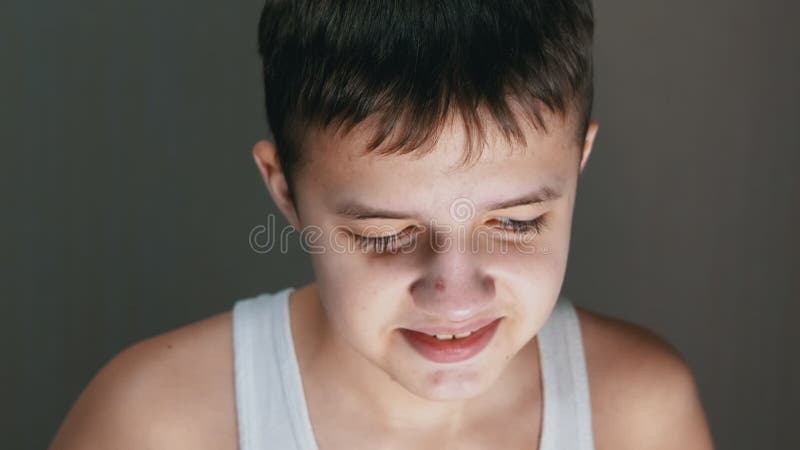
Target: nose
454,288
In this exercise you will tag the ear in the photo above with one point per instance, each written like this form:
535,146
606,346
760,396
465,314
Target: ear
588,143
266,157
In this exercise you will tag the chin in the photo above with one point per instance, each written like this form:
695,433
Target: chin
451,383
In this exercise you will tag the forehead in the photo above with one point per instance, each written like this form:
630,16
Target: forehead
339,165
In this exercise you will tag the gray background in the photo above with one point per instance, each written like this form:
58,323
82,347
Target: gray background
129,192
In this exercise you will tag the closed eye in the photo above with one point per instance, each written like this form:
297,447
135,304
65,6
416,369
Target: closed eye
394,242
386,244
533,226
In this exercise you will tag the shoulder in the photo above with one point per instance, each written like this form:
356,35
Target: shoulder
173,391
643,392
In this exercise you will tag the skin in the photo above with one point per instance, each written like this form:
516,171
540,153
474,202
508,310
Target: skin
362,381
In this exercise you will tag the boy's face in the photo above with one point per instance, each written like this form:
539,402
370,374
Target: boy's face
457,261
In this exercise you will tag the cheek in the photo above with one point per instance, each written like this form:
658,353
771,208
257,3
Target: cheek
531,281
347,271
362,300
529,266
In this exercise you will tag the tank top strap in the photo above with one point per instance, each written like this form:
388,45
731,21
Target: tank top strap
270,406
567,416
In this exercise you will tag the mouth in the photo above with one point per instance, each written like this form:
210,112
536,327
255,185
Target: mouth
451,348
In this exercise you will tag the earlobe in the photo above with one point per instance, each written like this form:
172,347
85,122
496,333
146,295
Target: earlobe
266,158
588,143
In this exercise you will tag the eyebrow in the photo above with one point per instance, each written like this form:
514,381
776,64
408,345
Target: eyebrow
540,195
354,210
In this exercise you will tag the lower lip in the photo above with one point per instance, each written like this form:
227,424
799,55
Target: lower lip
450,350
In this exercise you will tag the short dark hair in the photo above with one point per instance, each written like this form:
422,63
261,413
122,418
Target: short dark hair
413,63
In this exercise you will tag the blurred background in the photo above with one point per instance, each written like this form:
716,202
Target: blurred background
129,193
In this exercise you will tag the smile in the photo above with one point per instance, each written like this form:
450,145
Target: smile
451,348
458,332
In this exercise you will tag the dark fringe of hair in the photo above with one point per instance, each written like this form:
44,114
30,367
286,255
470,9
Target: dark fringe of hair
414,64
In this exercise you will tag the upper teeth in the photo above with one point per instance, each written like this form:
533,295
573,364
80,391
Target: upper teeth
444,337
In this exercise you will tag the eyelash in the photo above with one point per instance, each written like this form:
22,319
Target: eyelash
534,226
381,244
388,243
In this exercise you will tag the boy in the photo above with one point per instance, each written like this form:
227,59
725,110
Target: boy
435,149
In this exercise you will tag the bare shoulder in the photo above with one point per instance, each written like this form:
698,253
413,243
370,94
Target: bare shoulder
642,390
174,390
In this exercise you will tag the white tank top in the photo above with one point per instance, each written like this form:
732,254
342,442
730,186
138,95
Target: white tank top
271,408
